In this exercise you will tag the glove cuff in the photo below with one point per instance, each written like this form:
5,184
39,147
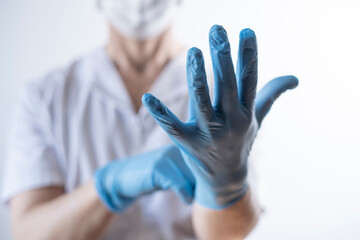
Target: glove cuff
220,197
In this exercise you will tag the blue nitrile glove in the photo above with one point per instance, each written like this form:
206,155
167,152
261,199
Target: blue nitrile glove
120,182
218,137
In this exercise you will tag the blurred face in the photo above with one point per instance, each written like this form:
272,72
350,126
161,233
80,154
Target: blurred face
140,19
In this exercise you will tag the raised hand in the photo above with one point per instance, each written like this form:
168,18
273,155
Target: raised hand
217,139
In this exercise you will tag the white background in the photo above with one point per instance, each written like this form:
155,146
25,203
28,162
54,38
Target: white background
307,152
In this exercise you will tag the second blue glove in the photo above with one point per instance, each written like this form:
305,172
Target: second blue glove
122,181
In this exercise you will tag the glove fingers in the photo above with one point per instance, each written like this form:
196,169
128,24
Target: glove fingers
172,172
270,92
225,90
247,68
182,187
200,103
164,117
185,192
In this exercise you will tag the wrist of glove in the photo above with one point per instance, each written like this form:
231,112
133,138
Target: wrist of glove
219,194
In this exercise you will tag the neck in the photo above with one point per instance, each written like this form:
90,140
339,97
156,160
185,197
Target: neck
140,56
139,63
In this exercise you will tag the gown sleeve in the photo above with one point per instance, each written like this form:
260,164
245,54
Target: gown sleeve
31,160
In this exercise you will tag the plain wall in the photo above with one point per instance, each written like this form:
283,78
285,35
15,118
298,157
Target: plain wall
307,152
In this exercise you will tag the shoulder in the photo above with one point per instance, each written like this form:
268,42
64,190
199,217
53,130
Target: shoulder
67,81
51,99
62,89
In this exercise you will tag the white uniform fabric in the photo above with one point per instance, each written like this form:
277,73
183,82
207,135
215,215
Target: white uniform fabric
78,119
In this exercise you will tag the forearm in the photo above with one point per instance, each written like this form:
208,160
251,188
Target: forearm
76,215
234,222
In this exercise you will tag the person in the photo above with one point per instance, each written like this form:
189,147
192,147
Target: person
89,158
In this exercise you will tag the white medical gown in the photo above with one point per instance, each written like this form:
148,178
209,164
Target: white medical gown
78,119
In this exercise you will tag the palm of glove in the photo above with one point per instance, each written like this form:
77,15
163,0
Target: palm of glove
219,147
217,139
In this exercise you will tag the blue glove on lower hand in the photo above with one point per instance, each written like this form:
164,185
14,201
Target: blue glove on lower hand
120,182
217,139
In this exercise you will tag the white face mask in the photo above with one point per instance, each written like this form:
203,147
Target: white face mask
140,19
